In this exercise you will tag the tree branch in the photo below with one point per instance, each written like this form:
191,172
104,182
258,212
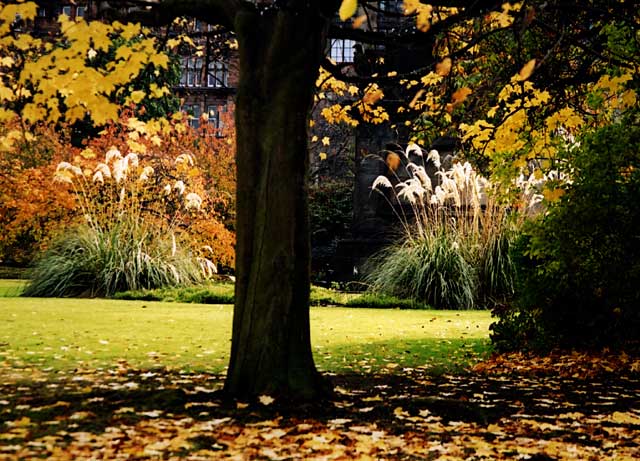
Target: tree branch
162,12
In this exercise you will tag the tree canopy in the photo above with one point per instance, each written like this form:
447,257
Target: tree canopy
511,78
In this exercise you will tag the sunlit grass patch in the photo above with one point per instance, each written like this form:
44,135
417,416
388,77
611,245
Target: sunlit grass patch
11,287
62,335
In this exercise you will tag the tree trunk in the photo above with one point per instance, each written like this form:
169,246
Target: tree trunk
280,52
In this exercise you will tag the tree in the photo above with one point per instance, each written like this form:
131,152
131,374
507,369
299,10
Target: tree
281,46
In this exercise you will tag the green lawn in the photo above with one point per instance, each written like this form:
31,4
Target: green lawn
11,287
61,335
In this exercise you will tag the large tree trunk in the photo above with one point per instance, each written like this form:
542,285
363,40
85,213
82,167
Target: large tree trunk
280,52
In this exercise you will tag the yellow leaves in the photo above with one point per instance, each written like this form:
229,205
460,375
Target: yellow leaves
326,82
124,53
347,9
33,113
422,12
136,125
58,76
552,195
88,153
137,96
566,117
338,114
443,67
27,10
526,70
6,94
128,31
538,98
612,85
372,94
322,156
431,78
24,42
326,141
135,146
159,60
103,111
503,18
158,92
628,99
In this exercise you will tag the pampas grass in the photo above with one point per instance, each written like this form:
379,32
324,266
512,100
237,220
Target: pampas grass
454,249
130,237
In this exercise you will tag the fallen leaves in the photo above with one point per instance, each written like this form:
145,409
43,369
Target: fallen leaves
574,364
513,407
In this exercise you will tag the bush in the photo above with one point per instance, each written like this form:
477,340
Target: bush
579,270
33,212
429,269
455,244
134,230
95,262
330,208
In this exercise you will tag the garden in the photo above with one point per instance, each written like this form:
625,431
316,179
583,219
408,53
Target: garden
160,296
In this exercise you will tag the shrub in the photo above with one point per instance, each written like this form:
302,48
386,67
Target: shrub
429,269
33,212
29,212
579,275
92,261
455,243
330,208
133,234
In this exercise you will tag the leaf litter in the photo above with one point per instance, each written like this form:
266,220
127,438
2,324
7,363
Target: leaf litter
558,407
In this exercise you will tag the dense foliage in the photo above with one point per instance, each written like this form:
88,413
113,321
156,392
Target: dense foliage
36,209
580,261
453,252
330,214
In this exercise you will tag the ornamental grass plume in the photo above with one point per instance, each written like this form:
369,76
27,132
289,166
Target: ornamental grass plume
454,248
132,236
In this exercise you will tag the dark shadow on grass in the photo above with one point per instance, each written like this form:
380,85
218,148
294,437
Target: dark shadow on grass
394,402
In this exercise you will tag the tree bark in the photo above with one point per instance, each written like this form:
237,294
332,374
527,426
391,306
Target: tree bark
280,53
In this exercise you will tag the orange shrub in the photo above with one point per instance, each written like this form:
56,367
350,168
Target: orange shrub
33,208
30,211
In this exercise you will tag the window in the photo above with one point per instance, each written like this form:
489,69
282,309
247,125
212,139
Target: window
66,10
217,75
342,50
191,72
193,111
80,11
42,12
214,116
391,6
200,26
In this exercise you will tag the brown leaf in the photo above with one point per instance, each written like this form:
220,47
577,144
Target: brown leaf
444,67
526,70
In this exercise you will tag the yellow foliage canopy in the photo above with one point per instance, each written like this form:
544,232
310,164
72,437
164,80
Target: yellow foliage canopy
39,79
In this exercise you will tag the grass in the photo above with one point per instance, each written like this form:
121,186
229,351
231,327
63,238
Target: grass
11,287
63,335
222,293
